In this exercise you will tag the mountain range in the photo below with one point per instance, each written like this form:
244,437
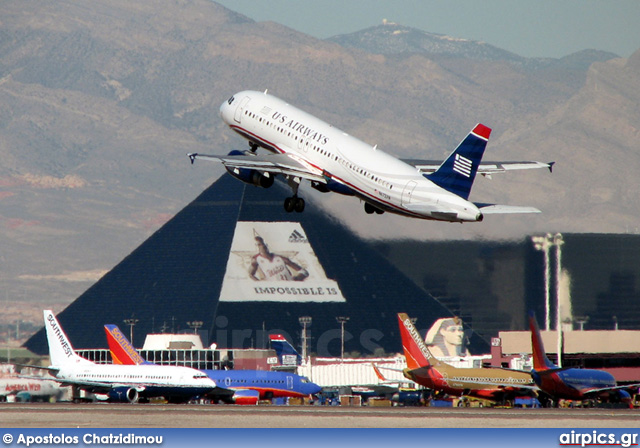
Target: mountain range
101,102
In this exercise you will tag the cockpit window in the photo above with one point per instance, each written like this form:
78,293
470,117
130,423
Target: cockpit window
231,100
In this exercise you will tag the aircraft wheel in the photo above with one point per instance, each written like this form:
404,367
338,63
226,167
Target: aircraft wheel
289,204
299,205
369,209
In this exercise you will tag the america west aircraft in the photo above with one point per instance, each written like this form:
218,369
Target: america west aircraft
118,382
498,385
32,389
302,146
572,383
236,386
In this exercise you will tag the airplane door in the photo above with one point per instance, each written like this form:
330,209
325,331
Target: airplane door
289,382
240,109
408,192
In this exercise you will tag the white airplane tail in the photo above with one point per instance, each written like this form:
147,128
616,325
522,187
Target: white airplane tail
61,352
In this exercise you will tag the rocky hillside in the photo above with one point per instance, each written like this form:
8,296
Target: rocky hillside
101,103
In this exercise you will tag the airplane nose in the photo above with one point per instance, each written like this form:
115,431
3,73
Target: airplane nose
224,103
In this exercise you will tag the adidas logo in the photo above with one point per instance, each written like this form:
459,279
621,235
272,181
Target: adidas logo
297,237
462,165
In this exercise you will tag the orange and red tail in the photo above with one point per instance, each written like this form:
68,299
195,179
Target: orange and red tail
122,352
415,351
540,360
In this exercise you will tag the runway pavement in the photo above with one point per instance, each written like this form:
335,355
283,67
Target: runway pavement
103,415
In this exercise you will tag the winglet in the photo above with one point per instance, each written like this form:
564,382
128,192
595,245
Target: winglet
415,351
551,166
540,360
458,171
122,352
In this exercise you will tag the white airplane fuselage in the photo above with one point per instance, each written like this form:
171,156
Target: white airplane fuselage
174,377
120,382
369,173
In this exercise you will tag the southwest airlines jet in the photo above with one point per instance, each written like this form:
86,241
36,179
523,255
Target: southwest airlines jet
499,385
301,146
572,383
120,383
236,386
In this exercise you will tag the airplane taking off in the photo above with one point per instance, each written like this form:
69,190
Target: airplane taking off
499,385
236,386
302,146
572,383
120,383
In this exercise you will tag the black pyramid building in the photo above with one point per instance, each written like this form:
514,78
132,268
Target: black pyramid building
176,276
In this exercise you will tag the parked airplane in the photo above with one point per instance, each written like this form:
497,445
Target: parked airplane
119,382
499,385
306,147
572,383
240,386
32,389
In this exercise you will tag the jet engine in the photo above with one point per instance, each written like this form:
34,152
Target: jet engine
249,176
249,397
333,186
123,395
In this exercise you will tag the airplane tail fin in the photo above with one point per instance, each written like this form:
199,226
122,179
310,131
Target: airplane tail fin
379,374
287,355
61,352
540,360
122,352
458,171
415,351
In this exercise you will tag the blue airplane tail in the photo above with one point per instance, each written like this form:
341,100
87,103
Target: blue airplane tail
458,171
285,351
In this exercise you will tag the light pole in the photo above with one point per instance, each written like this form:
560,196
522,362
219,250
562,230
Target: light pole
131,322
304,321
543,243
581,320
195,324
342,320
558,241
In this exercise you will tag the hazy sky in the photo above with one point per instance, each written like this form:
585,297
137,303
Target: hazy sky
531,28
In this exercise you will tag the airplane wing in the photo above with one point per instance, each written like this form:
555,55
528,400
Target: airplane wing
489,209
485,168
608,389
501,384
285,164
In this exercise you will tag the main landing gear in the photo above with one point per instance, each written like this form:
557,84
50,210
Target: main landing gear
370,209
294,203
